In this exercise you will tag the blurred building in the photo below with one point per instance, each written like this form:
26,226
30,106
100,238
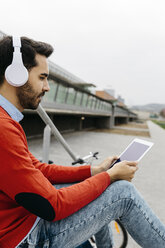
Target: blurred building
105,95
108,94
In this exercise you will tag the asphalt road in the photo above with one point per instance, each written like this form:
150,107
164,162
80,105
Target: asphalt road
150,178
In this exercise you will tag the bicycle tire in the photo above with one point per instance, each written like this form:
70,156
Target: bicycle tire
125,235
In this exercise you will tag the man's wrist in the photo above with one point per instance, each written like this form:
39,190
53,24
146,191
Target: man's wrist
96,170
112,175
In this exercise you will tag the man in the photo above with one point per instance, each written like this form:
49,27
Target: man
33,212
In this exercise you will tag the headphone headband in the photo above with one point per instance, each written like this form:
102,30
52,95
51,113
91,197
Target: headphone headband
16,74
16,41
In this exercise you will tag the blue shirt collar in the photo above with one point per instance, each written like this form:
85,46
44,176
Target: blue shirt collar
11,109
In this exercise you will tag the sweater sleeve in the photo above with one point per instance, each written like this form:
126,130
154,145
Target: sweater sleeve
27,185
62,174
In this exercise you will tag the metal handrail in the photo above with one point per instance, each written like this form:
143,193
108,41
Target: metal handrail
44,116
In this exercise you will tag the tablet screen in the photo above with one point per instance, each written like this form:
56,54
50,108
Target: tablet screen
134,151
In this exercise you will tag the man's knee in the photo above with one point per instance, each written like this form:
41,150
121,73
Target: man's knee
122,189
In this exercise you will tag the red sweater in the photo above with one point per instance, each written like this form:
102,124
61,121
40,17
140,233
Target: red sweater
26,189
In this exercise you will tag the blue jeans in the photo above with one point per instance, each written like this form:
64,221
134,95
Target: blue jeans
119,201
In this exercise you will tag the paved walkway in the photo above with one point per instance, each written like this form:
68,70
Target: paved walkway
150,178
133,129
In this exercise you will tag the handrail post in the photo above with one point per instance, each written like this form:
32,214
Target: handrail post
46,143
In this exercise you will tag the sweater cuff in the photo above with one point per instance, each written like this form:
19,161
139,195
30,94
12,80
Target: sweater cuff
108,177
84,172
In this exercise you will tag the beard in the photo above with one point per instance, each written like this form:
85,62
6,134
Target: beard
27,97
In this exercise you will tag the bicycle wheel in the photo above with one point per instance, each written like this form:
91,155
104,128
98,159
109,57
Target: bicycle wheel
120,235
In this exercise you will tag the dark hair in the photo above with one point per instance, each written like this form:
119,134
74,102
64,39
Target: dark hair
29,50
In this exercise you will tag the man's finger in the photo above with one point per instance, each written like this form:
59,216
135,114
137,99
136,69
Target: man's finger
132,163
115,157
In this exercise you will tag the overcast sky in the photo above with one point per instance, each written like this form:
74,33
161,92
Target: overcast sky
117,44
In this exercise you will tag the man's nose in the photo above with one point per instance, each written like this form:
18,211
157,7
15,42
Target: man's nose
46,85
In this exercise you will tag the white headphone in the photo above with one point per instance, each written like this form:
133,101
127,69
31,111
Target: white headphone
16,74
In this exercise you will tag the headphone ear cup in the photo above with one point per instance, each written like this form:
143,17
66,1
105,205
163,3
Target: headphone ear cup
16,74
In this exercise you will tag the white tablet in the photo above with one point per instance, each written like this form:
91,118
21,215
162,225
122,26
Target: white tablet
135,151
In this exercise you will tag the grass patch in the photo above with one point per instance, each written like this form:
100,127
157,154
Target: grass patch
160,123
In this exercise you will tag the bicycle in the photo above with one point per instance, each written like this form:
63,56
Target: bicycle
119,233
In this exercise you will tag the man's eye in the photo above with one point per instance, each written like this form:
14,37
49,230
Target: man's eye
42,78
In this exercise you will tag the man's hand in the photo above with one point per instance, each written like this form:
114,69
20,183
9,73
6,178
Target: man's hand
124,170
104,166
